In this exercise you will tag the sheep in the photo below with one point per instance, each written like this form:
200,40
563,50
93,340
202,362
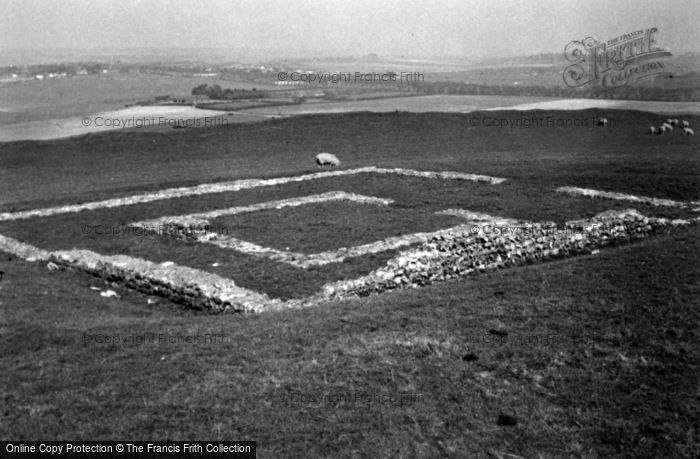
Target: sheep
685,124
674,122
327,159
603,122
688,131
668,127
651,130
661,130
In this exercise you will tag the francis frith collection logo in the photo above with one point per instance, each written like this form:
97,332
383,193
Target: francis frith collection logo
615,62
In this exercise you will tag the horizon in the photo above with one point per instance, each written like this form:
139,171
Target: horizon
215,56
413,29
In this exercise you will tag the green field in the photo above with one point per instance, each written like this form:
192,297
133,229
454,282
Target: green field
594,356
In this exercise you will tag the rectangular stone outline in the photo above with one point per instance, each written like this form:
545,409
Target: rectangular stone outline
194,227
206,289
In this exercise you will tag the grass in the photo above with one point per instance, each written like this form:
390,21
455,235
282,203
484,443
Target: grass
320,227
624,388
309,228
617,378
621,158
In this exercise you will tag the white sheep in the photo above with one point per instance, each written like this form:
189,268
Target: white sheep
603,122
668,127
327,159
684,123
661,130
651,130
674,122
688,131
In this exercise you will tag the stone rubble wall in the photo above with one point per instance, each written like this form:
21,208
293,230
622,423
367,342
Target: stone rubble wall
197,230
479,218
201,233
22,250
574,191
195,288
448,175
199,221
451,253
306,261
458,253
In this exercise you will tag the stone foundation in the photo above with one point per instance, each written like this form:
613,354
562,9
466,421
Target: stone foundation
456,254
449,254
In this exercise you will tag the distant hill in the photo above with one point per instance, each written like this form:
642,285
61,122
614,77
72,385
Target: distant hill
542,74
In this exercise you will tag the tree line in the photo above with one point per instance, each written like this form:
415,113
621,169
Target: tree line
218,93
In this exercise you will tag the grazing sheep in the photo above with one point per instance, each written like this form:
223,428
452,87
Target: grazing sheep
674,122
661,130
651,130
688,131
327,159
668,127
685,124
603,122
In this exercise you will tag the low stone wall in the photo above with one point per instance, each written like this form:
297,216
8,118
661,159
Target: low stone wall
22,250
198,231
195,288
197,228
452,253
575,191
446,175
200,221
460,253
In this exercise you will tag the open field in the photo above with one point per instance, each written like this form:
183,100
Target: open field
60,98
160,118
156,118
581,104
464,104
591,356
55,108
621,158
417,104
147,118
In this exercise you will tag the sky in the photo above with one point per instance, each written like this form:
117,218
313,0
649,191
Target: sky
389,28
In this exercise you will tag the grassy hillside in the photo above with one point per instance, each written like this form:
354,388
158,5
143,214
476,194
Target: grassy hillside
616,377
620,158
593,356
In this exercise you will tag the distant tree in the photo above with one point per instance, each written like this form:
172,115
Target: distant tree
215,92
199,90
